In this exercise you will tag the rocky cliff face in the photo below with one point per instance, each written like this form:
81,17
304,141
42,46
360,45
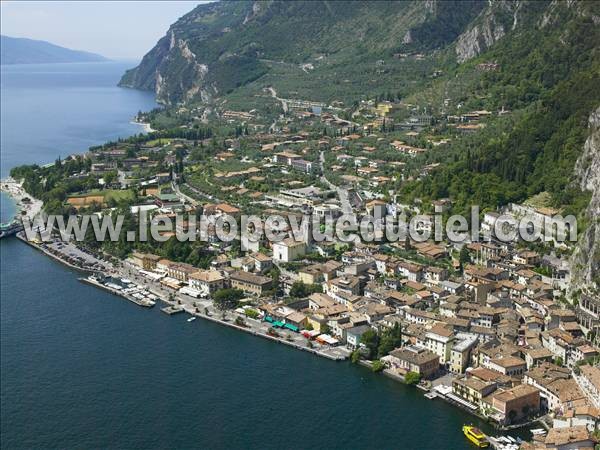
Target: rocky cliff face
493,24
500,17
585,262
218,47
156,73
174,69
221,46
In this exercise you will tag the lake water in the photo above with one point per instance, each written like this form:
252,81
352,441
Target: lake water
83,369
52,110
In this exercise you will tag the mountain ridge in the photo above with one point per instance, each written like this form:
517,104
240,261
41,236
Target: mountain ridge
32,51
241,34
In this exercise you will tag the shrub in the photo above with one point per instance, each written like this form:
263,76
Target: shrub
412,378
378,366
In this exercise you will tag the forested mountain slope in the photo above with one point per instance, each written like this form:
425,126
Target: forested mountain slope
545,73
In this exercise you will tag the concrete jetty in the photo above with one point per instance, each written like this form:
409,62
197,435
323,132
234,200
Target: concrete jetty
170,310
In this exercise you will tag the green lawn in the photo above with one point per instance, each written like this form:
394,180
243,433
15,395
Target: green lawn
115,194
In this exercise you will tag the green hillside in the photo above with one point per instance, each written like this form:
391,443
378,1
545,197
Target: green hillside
225,45
546,76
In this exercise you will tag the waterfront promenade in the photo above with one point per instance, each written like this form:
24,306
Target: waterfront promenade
73,257
204,308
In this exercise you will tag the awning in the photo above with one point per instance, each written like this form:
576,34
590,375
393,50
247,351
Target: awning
327,339
291,327
457,399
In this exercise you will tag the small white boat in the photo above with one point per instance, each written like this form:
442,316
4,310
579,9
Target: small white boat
191,319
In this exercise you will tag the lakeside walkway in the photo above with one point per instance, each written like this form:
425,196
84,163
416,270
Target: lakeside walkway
203,309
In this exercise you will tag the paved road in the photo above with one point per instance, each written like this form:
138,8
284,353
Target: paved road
348,122
284,105
74,255
190,304
341,192
193,201
274,95
183,196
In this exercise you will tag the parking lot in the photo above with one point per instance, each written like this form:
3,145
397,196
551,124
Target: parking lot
74,255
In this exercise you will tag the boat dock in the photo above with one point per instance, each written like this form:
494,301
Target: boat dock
170,310
152,296
503,443
113,290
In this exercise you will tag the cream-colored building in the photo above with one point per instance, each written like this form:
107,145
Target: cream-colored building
440,340
460,353
207,281
250,283
288,250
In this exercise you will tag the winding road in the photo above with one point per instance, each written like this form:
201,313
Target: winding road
341,192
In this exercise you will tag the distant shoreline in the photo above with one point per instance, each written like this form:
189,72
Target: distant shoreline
34,63
145,126
19,50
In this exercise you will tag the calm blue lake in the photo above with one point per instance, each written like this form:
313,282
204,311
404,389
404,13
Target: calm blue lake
52,110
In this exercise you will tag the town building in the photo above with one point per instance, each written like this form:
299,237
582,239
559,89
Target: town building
354,334
288,250
588,313
440,340
146,261
181,271
207,281
250,283
569,438
413,358
509,365
589,381
472,389
512,405
460,352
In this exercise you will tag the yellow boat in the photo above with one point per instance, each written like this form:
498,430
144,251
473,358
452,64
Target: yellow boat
476,436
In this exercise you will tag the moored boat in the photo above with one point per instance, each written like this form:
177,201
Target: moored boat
476,436
10,228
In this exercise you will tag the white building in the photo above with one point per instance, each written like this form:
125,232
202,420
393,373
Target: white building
288,250
589,382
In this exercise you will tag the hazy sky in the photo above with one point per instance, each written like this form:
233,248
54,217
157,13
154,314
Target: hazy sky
117,29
